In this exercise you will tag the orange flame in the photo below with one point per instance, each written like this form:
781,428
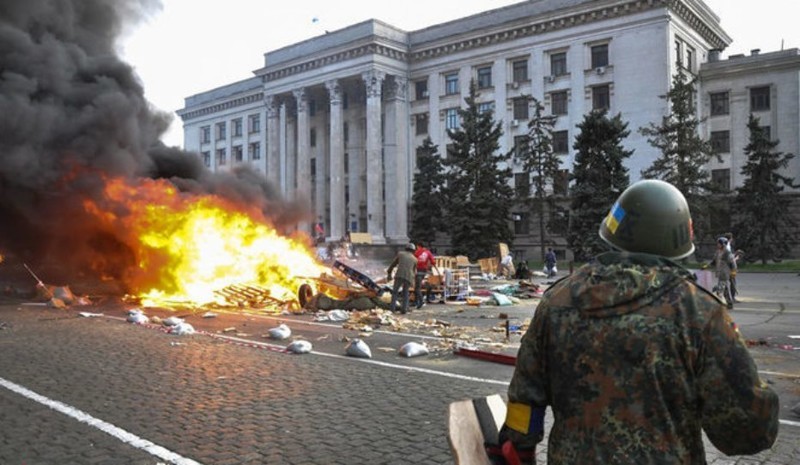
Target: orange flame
186,246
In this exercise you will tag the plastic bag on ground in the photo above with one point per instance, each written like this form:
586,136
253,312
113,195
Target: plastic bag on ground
172,321
501,299
137,317
358,348
182,329
413,349
299,347
280,333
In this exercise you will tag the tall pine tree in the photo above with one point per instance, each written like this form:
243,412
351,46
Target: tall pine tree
478,194
540,164
426,200
765,226
684,154
600,177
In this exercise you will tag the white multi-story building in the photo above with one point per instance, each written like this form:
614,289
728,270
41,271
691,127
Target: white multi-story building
336,119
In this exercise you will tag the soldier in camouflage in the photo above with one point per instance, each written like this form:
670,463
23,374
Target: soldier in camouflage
635,359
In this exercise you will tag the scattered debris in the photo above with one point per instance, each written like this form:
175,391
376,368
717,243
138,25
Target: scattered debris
209,315
90,315
172,321
358,348
231,329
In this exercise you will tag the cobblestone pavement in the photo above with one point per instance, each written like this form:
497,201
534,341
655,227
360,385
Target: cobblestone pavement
215,402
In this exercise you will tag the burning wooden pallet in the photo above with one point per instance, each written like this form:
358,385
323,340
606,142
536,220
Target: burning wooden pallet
247,295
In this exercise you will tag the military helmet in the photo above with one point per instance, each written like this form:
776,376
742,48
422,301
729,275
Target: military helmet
650,216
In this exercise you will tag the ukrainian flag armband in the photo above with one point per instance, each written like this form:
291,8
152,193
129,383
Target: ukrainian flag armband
525,418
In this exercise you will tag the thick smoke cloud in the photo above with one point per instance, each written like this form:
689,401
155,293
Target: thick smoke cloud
71,112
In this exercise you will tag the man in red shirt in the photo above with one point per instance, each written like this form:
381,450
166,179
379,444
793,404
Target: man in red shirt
425,260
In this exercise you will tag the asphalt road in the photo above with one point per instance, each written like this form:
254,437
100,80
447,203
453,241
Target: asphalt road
99,390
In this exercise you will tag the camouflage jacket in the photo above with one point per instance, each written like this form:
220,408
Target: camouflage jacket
634,360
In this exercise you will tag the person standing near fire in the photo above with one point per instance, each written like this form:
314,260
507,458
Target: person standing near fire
406,264
425,261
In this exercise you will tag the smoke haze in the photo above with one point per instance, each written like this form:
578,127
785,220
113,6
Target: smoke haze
72,113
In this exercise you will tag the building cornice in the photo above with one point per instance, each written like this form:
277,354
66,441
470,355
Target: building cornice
372,48
222,106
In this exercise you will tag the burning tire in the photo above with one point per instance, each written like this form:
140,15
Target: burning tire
304,294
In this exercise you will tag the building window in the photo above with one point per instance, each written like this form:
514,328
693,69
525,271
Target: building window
519,70
558,64
421,123
558,102
599,55
312,107
254,151
721,141
254,123
520,145
205,134
346,132
451,83
560,141
679,52
237,154
312,137
312,168
719,103
346,163
521,108
421,89
484,77
237,127
485,107
345,101
689,58
561,183
451,118
221,157
601,98
522,185
521,224
221,131
759,99
207,159
721,179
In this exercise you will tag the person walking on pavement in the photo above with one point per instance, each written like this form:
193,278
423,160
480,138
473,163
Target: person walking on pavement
635,359
724,265
550,262
425,261
406,264
736,256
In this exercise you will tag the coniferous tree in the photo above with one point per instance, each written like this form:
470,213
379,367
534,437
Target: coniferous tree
478,194
540,164
426,199
600,177
765,226
684,154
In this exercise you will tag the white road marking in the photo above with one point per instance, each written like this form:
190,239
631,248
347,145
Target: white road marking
108,428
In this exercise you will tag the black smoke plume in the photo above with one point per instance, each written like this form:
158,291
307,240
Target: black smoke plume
71,113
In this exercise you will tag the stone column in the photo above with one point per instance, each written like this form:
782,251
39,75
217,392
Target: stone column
397,160
375,223
337,204
303,189
272,149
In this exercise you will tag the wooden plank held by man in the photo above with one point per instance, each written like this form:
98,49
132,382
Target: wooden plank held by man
473,433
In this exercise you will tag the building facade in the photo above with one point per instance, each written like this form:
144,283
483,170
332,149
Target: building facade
336,119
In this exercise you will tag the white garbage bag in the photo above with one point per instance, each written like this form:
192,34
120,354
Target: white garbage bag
137,317
280,333
182,329
358,348
299,347
172,321
413,349
338,315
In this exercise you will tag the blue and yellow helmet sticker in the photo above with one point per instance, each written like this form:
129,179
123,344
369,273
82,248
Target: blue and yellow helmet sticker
615,217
